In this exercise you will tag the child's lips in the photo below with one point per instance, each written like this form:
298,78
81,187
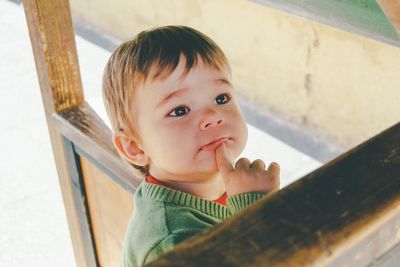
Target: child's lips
214,144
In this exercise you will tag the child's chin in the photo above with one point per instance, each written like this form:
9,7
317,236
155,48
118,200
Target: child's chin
208,165
209,168
213,167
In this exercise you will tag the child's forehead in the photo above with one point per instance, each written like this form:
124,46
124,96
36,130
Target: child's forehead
180,72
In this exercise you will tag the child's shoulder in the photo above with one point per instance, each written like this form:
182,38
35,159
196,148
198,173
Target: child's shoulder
153,228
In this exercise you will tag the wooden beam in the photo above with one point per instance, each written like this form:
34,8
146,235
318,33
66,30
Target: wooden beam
90,134
81,209
53,43
391,8
346,213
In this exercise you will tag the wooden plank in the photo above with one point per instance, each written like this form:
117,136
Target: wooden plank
53,44
344,213
50,30
363,17
81,204
110,211
86,130
391,8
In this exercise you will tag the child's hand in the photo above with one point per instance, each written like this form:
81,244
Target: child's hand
246,176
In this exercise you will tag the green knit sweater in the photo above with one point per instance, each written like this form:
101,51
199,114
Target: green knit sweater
164,217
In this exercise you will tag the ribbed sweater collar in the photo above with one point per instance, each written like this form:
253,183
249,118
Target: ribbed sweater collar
165,194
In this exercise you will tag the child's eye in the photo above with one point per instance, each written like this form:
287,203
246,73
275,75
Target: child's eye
179,111
222,99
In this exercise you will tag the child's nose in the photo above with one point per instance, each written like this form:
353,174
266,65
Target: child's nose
211,119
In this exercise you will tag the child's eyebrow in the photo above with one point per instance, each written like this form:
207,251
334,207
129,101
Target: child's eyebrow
171,95
223,81
181,91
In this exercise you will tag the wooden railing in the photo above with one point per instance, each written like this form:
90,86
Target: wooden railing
92,138
345,213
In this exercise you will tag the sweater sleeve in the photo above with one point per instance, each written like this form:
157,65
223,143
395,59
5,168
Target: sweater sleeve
238,202
164,246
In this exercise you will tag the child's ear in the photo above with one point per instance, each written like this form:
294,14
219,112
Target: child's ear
130,150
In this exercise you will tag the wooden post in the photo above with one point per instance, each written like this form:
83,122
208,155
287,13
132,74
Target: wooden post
391,8
53,44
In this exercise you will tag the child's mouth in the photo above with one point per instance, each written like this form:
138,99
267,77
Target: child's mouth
214,144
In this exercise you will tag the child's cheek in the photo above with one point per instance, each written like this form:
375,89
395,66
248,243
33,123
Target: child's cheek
179,141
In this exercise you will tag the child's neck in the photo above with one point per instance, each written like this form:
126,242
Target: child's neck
208,187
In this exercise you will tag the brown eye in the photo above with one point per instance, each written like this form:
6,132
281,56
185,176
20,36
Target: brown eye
222,99
179,111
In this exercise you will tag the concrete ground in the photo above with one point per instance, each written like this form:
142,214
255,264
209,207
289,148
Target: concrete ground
33,227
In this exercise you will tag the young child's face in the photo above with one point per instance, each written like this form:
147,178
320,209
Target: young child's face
183,119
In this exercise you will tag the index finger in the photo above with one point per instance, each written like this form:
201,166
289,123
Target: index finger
223,162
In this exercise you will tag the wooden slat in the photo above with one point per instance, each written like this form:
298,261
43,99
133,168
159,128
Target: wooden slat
81,208
346,213
53,44
50,29
87,131
391,8
110,210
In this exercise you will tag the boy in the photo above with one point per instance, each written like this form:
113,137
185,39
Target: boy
169,96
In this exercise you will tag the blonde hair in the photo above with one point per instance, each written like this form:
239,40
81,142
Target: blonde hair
152,54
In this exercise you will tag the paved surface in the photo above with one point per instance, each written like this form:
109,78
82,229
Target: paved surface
33,227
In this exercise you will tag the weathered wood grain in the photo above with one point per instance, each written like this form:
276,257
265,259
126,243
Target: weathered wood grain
53,44
50,30
86,130
346,213
110,210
